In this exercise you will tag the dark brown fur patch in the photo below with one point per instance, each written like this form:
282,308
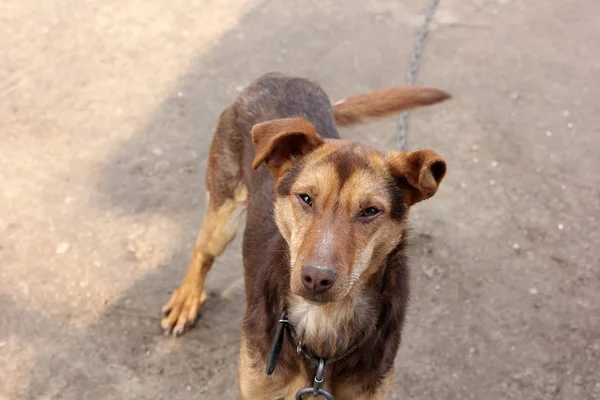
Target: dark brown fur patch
347,161
397,187
285,183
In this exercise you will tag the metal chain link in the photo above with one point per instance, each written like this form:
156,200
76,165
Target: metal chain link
414,68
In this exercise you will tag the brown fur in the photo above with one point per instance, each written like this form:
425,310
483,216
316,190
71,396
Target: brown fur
289,125
383,103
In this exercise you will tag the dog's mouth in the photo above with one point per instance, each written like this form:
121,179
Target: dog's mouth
314,297
338,292
317,299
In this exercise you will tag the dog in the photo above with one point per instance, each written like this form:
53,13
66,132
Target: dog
325,270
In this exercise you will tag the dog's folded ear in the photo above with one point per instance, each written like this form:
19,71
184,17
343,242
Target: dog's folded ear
279,141
420,171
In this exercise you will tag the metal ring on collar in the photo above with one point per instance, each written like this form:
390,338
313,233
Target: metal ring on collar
309,390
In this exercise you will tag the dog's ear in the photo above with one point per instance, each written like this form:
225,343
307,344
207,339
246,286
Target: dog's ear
420,171
278,141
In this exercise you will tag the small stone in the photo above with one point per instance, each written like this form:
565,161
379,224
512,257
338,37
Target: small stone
516,246
62,248
570,125
475,147
533,291
179,94
566,113
437,287
25,288
494,164
515,96
239,88
463,185
69,200
472,350
157,151
561,227
563,187
188,388
492,182
548,133
475,160
2,344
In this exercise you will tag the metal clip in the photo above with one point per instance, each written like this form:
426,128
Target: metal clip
317,383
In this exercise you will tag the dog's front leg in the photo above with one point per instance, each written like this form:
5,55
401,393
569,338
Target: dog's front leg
218,229
253,382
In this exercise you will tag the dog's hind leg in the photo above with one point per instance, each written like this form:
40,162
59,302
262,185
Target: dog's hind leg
225,206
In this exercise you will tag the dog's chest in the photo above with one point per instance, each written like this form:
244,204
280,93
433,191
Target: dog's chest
328,330
315,326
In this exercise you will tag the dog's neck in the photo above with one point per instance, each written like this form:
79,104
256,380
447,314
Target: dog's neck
329,330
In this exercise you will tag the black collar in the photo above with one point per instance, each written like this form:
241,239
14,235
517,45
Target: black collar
275,352
277,345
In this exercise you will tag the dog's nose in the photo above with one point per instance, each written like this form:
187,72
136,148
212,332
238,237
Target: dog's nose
318,279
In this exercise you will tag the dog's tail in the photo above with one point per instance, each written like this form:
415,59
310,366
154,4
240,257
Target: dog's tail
383,103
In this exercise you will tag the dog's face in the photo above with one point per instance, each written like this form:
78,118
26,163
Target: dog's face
340,206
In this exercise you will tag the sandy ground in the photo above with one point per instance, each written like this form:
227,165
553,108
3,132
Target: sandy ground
106,113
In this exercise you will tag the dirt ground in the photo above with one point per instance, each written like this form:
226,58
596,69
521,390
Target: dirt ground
106,113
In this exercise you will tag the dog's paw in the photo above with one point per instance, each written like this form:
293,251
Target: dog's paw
181,311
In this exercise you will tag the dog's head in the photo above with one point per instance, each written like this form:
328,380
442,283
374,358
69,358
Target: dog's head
341,206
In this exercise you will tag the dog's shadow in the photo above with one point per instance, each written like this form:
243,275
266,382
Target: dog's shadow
125,354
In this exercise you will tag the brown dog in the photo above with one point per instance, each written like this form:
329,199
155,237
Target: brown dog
324,263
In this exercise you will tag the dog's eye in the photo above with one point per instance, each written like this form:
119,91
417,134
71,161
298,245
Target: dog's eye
369,212
306,199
